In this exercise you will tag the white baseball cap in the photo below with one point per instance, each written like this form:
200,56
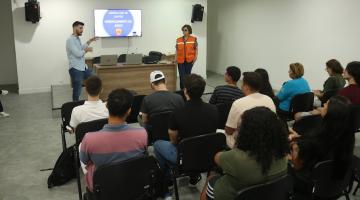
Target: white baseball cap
156,75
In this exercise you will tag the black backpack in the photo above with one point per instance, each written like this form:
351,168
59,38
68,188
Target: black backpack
64,169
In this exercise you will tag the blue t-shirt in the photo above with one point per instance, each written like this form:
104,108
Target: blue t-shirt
289,90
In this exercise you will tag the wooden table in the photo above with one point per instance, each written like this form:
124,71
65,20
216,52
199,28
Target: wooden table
133,77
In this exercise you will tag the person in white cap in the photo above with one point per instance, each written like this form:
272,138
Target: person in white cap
2,113
161,100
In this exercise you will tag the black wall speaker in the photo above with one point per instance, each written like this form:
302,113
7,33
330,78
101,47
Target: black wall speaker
197,13
32,11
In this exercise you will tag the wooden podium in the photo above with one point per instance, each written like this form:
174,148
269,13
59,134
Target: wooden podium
133,77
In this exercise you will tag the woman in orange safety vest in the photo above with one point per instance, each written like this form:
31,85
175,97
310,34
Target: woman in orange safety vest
186,52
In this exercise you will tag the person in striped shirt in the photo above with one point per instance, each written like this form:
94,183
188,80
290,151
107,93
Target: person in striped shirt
230,92
116,141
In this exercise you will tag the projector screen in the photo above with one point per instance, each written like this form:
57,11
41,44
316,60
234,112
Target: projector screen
117,23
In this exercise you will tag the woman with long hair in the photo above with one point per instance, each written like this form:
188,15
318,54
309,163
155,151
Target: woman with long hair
259,156
333,141
266,88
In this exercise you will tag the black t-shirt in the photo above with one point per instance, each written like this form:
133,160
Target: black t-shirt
196,118
161,101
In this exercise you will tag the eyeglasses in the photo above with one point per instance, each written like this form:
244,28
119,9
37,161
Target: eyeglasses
184,30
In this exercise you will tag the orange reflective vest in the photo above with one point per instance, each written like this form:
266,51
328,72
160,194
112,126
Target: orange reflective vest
186,49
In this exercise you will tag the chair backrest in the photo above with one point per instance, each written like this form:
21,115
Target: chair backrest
302,102
127,180
96,60
196,154
158,126
135,109
66,110
307,124
325,187
356,117
327,95
223,113
277,189
86,127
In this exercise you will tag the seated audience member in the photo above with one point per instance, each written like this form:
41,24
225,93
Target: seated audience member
230,92
333,141
352,75
266,88
116,141
196,118
93,108
335,80
251,86
2,113
298,85
159,101
259,156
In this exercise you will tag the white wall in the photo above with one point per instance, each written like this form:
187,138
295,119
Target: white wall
7,48
273,34
40,48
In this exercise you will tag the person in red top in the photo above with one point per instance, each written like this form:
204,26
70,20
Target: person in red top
352,75
186,52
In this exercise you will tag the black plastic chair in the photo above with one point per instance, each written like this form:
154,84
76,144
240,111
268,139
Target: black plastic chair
135,109
196,155
223,113
80,132
299,103
302,103
66,110
96,60
122,58
356,117
327,95
127,180
158,126
308,124
277,189
324,185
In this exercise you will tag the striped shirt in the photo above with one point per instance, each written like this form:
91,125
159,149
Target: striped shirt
225,94
114,143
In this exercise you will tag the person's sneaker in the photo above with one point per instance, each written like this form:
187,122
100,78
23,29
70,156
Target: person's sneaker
194,180
4,114
4,92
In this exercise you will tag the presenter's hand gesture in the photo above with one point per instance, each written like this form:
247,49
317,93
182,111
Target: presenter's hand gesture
88,49
92,39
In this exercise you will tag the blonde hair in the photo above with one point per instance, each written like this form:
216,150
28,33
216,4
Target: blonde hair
297,70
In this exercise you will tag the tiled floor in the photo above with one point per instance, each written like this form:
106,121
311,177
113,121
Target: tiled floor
30,141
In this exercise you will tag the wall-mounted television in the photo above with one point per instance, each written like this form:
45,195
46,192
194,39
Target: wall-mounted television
117,23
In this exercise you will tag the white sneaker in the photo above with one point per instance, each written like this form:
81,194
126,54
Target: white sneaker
4,92
4,114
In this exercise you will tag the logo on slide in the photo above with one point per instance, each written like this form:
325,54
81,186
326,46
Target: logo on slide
118,22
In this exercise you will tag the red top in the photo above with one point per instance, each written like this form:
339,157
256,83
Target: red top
352,92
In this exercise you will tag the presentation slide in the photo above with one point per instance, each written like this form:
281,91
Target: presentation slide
117,23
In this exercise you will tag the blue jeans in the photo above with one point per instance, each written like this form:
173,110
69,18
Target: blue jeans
77,78
166,154
184,69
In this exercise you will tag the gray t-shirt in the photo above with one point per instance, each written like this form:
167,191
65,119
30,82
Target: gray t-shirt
161,101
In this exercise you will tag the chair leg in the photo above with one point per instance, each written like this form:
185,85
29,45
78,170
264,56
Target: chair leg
356,189
76,160
347,196
175,185
63,139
